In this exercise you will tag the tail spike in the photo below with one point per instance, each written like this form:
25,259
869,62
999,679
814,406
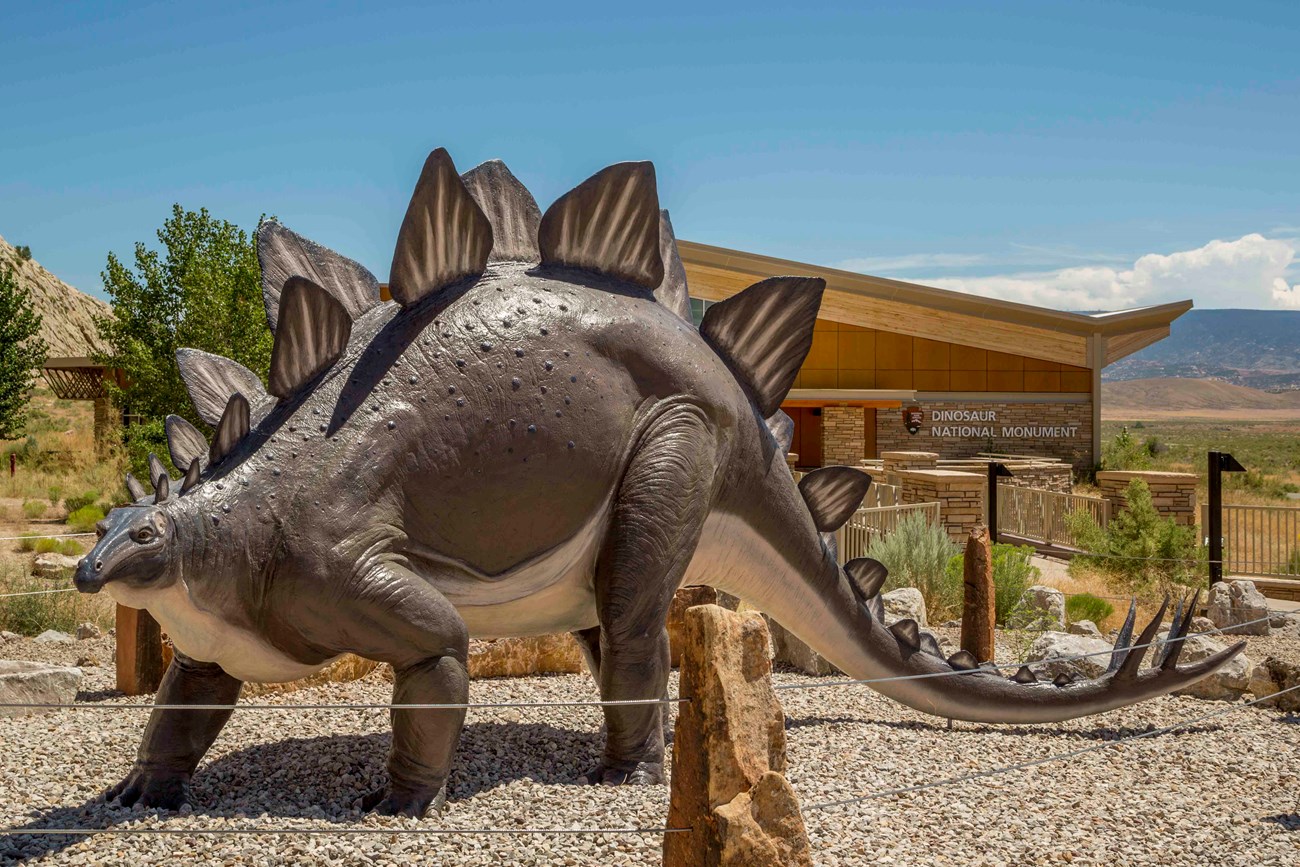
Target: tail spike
1124,640
1024,675
963,660
1177,632
1170,638
1128,669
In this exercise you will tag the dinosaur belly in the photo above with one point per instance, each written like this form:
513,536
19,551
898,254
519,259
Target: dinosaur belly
205,637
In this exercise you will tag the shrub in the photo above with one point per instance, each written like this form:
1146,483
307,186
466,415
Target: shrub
916,555
46,546
55,494
1013,574
1140,551
23,252
1085,606
32,615
1125,452
84,519
70,548
28,542
33,509
79,501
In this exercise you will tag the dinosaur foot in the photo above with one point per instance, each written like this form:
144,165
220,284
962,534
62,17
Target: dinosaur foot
640,774
165,790
387,802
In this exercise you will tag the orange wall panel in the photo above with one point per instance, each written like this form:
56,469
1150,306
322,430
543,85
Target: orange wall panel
1005,361
894,379
1006,380
1042,380
819,379
824,353
969,380
893,351
857,378
930,354
931,380
857,349
1076,382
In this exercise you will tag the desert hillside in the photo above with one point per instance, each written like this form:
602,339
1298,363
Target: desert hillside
67,315
1135,398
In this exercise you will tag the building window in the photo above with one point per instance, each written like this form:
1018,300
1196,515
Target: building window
698,306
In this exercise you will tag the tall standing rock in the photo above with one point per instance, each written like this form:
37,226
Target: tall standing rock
979,606
729,752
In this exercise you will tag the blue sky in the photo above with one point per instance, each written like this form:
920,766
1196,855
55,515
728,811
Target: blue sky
1076,155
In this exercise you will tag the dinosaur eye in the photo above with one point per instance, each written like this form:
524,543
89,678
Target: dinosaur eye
144,534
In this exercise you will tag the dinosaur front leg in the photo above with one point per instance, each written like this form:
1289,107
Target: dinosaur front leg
175,740
393,615
659,513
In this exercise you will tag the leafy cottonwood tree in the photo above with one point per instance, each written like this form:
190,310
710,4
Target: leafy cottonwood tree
22,352
201,290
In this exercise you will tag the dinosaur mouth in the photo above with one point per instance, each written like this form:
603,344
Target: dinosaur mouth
89,577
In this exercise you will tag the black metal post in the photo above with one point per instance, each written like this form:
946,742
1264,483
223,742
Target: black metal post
996,471
1219,463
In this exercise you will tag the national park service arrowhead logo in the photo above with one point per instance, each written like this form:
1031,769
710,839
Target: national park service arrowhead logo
912,418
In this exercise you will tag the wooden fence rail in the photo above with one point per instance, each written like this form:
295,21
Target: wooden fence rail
866,524
1040,515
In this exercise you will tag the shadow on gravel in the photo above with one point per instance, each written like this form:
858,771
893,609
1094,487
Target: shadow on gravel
1289,821
320,779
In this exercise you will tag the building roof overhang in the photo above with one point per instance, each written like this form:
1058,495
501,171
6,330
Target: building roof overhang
715,273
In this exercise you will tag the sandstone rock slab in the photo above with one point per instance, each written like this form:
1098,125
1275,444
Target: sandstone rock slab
54,566
1227,684
789,649
53,636
1086,628
1056,653
88,631
904,603
557,653
1235,607
35,682
1047,603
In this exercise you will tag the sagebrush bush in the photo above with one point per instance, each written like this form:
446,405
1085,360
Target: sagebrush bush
916,555
70,548
32,615
33,509
1013,573
1085,606
84,519
1140,551
28,542
46,546
80,501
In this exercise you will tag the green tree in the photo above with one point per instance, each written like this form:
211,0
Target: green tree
201,290
22,352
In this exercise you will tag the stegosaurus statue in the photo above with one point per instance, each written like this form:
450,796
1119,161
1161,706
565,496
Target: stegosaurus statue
530,438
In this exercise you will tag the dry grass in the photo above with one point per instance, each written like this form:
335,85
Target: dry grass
1084,580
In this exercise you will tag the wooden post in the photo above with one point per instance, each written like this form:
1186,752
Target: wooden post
979,608
139,652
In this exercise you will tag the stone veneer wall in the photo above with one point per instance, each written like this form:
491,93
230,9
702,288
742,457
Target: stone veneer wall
843,437
893,463
1174,494
1075,450
960,497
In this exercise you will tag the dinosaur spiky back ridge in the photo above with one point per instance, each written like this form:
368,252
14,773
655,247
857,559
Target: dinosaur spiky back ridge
610,224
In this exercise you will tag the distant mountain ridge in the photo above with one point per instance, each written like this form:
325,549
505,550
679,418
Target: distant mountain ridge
67,315
1169,394
1255,348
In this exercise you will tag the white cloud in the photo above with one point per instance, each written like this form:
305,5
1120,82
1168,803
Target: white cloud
1251,271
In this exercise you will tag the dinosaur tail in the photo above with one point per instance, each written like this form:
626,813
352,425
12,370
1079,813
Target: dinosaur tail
771,554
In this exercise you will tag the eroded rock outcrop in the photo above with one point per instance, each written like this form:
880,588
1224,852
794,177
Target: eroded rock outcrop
729,752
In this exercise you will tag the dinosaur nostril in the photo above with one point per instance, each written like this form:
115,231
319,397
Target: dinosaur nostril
99,564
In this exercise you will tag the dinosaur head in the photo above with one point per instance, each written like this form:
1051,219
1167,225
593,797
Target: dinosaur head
132,550
135,544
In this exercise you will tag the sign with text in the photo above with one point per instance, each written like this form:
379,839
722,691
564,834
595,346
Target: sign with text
983,424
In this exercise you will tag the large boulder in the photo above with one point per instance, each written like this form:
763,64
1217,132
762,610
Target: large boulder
685,597
54,566
1055,653
904,603
24,682
1237,608
1274,675
88,631
729,751
1227,684
1045,604
1287,625
520,657
53,636
1086,628
789,649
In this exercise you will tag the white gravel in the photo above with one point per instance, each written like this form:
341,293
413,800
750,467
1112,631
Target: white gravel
1225,792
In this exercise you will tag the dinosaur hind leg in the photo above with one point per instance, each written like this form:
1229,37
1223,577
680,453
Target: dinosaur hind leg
659,513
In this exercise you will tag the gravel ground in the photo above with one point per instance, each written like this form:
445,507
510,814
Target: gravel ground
1223,792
